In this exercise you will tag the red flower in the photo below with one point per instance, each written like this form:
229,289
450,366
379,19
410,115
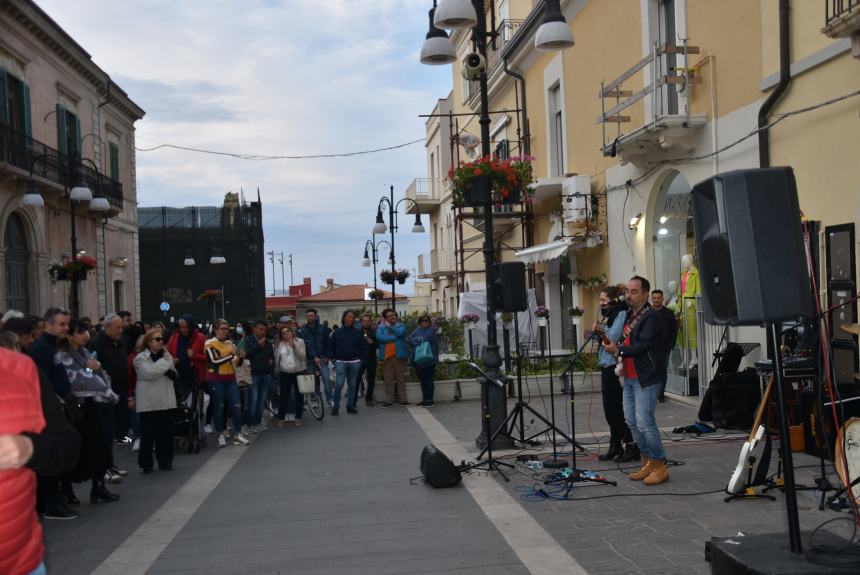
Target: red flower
505,192
477,171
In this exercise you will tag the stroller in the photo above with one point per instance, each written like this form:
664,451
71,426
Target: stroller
187,417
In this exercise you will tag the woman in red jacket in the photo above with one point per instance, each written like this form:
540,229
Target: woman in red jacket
186,347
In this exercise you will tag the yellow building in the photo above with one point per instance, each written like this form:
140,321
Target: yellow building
656,96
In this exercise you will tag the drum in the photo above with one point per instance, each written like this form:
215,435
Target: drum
848,450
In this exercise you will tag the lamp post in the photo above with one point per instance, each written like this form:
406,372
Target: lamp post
216,259
372,257
553,34
380,228
79,192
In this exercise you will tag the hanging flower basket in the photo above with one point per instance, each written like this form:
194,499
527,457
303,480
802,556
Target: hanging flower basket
210,295
542,314
70,269
387,276
376,294
504,180
401,276
576,311
591,283
469,320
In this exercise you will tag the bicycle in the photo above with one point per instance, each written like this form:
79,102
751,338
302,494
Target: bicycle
314,402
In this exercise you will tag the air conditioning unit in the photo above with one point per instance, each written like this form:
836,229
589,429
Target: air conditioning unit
575,196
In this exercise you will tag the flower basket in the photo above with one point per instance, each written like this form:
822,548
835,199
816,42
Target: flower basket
469,320
542,321
401,276
72,269
542,314
376,294
504,180
576,311
387,277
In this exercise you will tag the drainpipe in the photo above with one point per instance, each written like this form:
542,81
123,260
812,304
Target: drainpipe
781,87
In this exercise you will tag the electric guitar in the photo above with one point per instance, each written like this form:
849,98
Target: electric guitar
746,459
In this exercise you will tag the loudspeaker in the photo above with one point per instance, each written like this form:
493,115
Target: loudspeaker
511,287
752,260
437,469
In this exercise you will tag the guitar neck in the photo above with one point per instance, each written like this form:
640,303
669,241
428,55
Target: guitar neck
762,405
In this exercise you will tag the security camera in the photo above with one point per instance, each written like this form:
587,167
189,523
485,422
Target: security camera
473,66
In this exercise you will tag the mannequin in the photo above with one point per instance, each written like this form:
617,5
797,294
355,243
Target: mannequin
672,300
686,310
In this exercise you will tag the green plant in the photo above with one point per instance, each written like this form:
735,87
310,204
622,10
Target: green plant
387,277
591,283
505,176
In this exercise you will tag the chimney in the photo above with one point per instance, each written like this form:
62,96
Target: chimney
329,283
306,281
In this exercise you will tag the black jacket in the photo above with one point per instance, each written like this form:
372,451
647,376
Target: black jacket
43,351
372,347
347,343
262,357
646,348
670,328
111,354
57,448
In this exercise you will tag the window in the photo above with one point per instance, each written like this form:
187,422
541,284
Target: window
14,103
68,131
113,157
666,35
118,300
556,131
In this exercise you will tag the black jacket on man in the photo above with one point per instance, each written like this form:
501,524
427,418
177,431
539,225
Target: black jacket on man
670,328
347,344
56,449
646,348
372,346
262,357
111,354
43,351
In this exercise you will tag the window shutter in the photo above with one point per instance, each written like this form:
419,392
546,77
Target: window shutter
114,161
77,143
61,130
4,98
25,102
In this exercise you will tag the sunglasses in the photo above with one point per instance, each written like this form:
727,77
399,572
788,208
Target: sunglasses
158,339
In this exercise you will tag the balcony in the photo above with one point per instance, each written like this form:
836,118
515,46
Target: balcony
19,151
434,265
506,29
427,193
669,125
842,20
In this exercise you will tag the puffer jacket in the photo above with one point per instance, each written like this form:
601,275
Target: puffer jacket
154,390
396,334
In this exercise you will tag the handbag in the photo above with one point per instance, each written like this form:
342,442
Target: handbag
73,410
424,354
306,383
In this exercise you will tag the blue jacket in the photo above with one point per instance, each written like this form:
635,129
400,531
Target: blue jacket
420,335
346,344
614,332
316,340
387,334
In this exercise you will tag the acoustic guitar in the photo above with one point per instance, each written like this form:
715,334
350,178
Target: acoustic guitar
619,365
746,459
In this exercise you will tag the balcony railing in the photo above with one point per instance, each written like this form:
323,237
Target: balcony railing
842,20
434,265
839,9
426,192
506,29
19,150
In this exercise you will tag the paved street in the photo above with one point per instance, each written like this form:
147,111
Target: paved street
335,496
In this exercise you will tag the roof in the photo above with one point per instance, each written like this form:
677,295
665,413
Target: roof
352,292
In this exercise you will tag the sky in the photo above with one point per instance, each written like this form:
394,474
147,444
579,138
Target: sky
275,77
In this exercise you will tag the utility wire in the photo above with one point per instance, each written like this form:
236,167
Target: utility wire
264,157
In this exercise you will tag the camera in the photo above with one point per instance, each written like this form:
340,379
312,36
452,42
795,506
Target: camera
473,66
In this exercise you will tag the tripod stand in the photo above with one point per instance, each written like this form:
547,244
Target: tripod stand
578,475
490,464
521,407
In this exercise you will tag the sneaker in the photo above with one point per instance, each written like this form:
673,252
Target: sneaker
331,404
111,477
207,429
426,404
260,428
240,439
60,512
136,445
222,441
386,404
117,471
290,417
404,403
246,430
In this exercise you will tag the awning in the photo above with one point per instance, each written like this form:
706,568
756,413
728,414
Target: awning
544,252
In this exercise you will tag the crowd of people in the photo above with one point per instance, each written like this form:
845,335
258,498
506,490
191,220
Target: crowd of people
78,390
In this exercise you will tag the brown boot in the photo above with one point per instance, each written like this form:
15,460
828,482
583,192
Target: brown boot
659,473
644,471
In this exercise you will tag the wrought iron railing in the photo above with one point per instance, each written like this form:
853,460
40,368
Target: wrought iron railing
835,9
19,150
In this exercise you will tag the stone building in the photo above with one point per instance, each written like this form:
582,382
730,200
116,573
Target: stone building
62,116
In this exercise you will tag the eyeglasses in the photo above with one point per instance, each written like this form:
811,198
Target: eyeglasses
423,321
158,339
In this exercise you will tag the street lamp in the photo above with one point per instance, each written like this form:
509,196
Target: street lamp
368,260
189,258
438,48
454,14
379,228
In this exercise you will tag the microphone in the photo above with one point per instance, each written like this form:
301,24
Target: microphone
487,377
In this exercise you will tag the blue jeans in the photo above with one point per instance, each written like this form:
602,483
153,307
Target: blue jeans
229,390
40,570
346,372
324,378
640,403
257,397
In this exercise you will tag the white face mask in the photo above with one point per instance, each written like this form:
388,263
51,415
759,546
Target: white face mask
240,330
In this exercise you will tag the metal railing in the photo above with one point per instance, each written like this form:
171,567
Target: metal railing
425,189
507,30
19,150
241,216
836,9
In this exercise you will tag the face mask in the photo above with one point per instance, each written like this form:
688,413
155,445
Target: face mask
240,330
604,310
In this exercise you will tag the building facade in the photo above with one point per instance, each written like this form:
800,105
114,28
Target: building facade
206,261
655,97
60,114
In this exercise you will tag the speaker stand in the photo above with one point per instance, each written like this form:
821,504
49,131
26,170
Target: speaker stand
491,464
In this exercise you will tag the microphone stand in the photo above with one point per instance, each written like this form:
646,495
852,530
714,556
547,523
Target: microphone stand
491,464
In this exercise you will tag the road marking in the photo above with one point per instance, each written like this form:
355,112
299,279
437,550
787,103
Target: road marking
539,552
143,547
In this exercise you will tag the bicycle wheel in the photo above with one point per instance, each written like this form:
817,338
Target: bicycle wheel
273,399
315,404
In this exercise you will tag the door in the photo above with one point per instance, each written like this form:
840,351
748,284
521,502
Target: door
17,266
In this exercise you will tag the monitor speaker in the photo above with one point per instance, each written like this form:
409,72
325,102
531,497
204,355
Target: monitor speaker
752,261
437,469
511,287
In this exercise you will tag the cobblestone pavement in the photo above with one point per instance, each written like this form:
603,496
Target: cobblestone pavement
336,497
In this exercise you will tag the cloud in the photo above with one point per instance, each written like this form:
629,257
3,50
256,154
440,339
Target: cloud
274,77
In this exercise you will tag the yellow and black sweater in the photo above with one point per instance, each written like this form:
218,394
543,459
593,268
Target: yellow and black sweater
220,359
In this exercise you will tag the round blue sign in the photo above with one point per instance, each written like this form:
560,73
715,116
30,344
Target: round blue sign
165,307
